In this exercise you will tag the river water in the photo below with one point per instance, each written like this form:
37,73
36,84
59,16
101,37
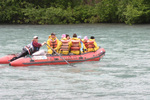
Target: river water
122,74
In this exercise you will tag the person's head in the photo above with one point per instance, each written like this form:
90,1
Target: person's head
67,36
92,37
35,38
53,35
79,37
74,35
63,36
85,38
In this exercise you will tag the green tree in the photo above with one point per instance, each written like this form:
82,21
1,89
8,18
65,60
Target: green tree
106,10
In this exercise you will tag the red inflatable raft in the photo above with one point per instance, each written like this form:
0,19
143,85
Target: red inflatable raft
5,59
55,59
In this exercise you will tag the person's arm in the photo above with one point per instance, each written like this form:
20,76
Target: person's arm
84,47
58,45
43,44
36,44
96,47
70,44
79,44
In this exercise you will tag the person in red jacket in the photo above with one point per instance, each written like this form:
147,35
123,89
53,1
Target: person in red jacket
30,48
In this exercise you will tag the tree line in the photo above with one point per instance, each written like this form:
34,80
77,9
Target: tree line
74,11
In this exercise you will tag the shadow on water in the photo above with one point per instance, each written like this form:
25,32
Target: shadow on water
84,67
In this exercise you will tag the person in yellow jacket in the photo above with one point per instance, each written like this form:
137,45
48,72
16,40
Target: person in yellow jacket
52,42
63,46
92,45
75,45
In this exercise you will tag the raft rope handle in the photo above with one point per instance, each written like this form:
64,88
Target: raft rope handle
60,56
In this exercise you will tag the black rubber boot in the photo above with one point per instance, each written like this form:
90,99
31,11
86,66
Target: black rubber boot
13,59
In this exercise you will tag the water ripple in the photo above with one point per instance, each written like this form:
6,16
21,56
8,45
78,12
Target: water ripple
123,73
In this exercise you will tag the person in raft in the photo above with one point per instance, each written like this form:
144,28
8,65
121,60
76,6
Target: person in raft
52,42
92,45
85,41
83,48
30,48
75,45
64,45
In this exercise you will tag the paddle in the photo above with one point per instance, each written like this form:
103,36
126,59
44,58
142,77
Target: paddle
60,56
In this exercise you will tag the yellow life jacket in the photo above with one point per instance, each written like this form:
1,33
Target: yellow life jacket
65,45
90,44
75,45
54,43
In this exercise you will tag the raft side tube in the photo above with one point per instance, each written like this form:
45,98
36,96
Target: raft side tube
6,59
56,60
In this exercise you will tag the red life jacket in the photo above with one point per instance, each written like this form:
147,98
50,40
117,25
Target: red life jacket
53,44
75,45
85,43
65,45
90,44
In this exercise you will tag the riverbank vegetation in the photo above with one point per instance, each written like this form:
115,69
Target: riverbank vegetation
74,11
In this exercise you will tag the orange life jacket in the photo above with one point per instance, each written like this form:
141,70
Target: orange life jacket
65,45
85,43
90,44
53,44
75,45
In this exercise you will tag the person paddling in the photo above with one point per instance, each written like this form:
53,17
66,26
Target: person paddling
30,48
53,43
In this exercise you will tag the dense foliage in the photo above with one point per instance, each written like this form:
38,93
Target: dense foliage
74,11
